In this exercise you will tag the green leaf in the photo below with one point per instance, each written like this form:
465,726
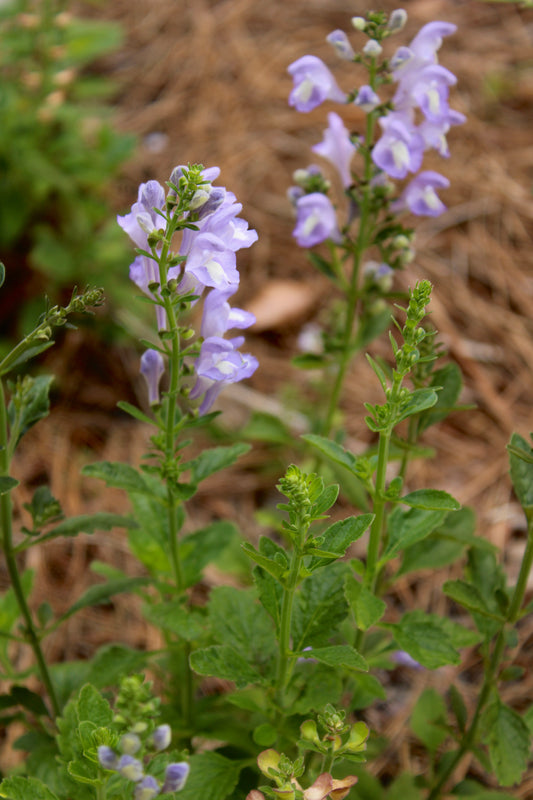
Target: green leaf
136,413
92,707
420,400
428,720
320,685
18,788
26,355
405,528
240,621
272,566
367,608
467,595
337,655
86,39
84,772
509,742
21,696
173,616
322,265
270,594
222,661
117,476
449,381
112,662
431,499
320,606
103,592
332,450
205,546
325,500
521,462
337,538
426,640
404,786
88,523
309,361
149,542
7,484
213,460
267,428
458,707
29,404
445,544
212,777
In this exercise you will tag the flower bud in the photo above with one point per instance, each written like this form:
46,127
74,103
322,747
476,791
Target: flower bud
130,768
309,731
175,777
339,41
130,744
397,20
359,23
372,48
107,758
367,99
152,368
161,737
146,789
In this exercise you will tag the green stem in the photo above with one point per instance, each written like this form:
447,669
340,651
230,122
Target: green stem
285,658
493,666
11,562
376,528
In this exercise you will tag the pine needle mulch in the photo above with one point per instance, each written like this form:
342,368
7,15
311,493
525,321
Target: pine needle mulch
206,82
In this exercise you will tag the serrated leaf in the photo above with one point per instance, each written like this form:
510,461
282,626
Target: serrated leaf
173,616
18,788
428,720
521,468
92,707
367,608
204,546
338,537
450,382
326,499
333,451
425,639
212,777
103,592
468,596
337,655
273,567
509,742
84,772
240,621
213,460
320,606
431,499
7,484
222,661
420,400
405,528
117,475
35,405
270,594
88,523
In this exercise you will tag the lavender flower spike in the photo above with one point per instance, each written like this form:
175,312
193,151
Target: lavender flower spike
313,83
337,147
316,220
175,777
152,368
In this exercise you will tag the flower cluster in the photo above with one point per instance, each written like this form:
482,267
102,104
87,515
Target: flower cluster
132,769
205,264
285,773
417,119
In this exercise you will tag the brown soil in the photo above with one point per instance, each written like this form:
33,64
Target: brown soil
205,81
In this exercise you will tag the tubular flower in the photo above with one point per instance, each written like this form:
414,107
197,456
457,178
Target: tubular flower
337,147
313,83
316,220
420,196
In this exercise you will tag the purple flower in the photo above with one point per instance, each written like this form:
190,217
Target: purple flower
403,658
152,368
175,777
161,737
313,83
142,218
146,789
218,364
107,757
220,317
316,220
337,147
130,742
130,768
420,196
429,39
367,99
339,41
401,148
211,262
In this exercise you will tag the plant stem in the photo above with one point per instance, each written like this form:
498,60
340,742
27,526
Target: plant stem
491,673
376,528
284,667
11,562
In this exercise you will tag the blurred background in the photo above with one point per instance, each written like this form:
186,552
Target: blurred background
98,97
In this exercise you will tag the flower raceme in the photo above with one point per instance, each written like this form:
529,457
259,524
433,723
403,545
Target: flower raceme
415,120
204,266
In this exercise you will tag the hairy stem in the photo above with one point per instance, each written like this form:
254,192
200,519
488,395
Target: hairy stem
11,562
